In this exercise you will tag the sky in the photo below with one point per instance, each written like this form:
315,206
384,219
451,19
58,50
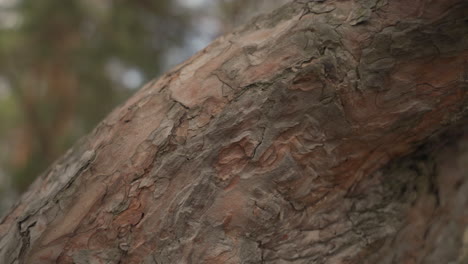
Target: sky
191,3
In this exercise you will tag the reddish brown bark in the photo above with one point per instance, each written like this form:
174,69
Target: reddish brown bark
303,137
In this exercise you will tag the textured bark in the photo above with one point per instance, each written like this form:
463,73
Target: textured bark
326,132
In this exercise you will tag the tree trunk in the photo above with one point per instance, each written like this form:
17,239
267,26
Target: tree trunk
325,132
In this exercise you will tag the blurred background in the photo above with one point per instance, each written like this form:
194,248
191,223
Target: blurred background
65,64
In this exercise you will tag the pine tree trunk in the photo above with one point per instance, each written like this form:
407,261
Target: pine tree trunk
325,132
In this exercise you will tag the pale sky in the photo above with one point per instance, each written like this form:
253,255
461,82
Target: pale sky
192,3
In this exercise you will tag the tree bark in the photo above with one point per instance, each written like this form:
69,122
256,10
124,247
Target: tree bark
325,132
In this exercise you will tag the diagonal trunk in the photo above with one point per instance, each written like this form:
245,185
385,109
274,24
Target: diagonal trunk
325,132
